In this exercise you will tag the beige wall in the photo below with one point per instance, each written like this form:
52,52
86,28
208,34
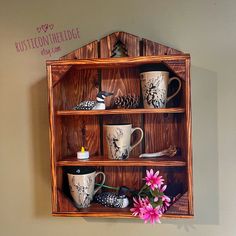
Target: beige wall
205,29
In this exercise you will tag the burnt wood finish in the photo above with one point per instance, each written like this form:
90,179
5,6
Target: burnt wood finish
121,81
171,130
78,76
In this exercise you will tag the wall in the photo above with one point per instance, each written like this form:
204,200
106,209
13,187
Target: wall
205,29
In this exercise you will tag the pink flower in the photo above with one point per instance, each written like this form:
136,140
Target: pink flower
153,180
139,205
151,214
165,203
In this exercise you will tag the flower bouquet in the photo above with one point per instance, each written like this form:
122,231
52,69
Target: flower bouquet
151,201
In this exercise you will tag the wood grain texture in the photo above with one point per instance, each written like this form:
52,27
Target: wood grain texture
151,48
52,140
131,161
130,41
180,206
121,81
117,62
177,66
77,76
171,131
119,111
189,137
80,131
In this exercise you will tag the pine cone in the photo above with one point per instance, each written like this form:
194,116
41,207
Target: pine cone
126,102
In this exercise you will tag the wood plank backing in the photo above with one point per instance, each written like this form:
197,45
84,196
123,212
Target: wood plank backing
151,48
80,131
121,81
178,67
78,85
58,72
130,41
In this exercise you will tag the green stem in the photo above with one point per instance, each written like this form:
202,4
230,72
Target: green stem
106,186
144,186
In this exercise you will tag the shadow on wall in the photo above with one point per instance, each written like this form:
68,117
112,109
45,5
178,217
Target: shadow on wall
40,142
205,146
205,153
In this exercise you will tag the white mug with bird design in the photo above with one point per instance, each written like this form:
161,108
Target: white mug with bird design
118,138
81,183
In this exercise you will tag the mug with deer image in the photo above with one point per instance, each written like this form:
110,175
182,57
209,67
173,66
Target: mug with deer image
81,183
118,137
154,88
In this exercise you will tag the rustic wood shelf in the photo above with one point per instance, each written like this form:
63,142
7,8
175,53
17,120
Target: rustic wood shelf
78,76
120,111
131,161
117,62
96,210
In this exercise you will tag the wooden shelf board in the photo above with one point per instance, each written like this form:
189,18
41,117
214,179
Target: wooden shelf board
120,111
97,210
131,161
117,62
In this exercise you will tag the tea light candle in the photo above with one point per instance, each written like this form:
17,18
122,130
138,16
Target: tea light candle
83,154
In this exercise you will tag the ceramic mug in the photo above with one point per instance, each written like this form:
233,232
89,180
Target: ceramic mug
154,88
118,139
81,183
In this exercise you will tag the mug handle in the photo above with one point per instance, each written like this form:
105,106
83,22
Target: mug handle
103,181
139,141
175,93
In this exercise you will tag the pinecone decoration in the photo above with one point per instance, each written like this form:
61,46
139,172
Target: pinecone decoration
126,102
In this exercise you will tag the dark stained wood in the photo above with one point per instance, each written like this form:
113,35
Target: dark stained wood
78,76
96,210
188,140
161,131
181,205
52,140
119,111
170,130
72,135
58,73
121,81
130,41
131,161
151,48
118,62
64,203
177,66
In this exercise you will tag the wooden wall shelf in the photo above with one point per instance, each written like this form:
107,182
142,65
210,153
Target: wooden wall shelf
78,76
120,112
131,161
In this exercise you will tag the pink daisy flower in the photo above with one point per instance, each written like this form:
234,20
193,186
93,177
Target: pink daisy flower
151,214
139,205
153,180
